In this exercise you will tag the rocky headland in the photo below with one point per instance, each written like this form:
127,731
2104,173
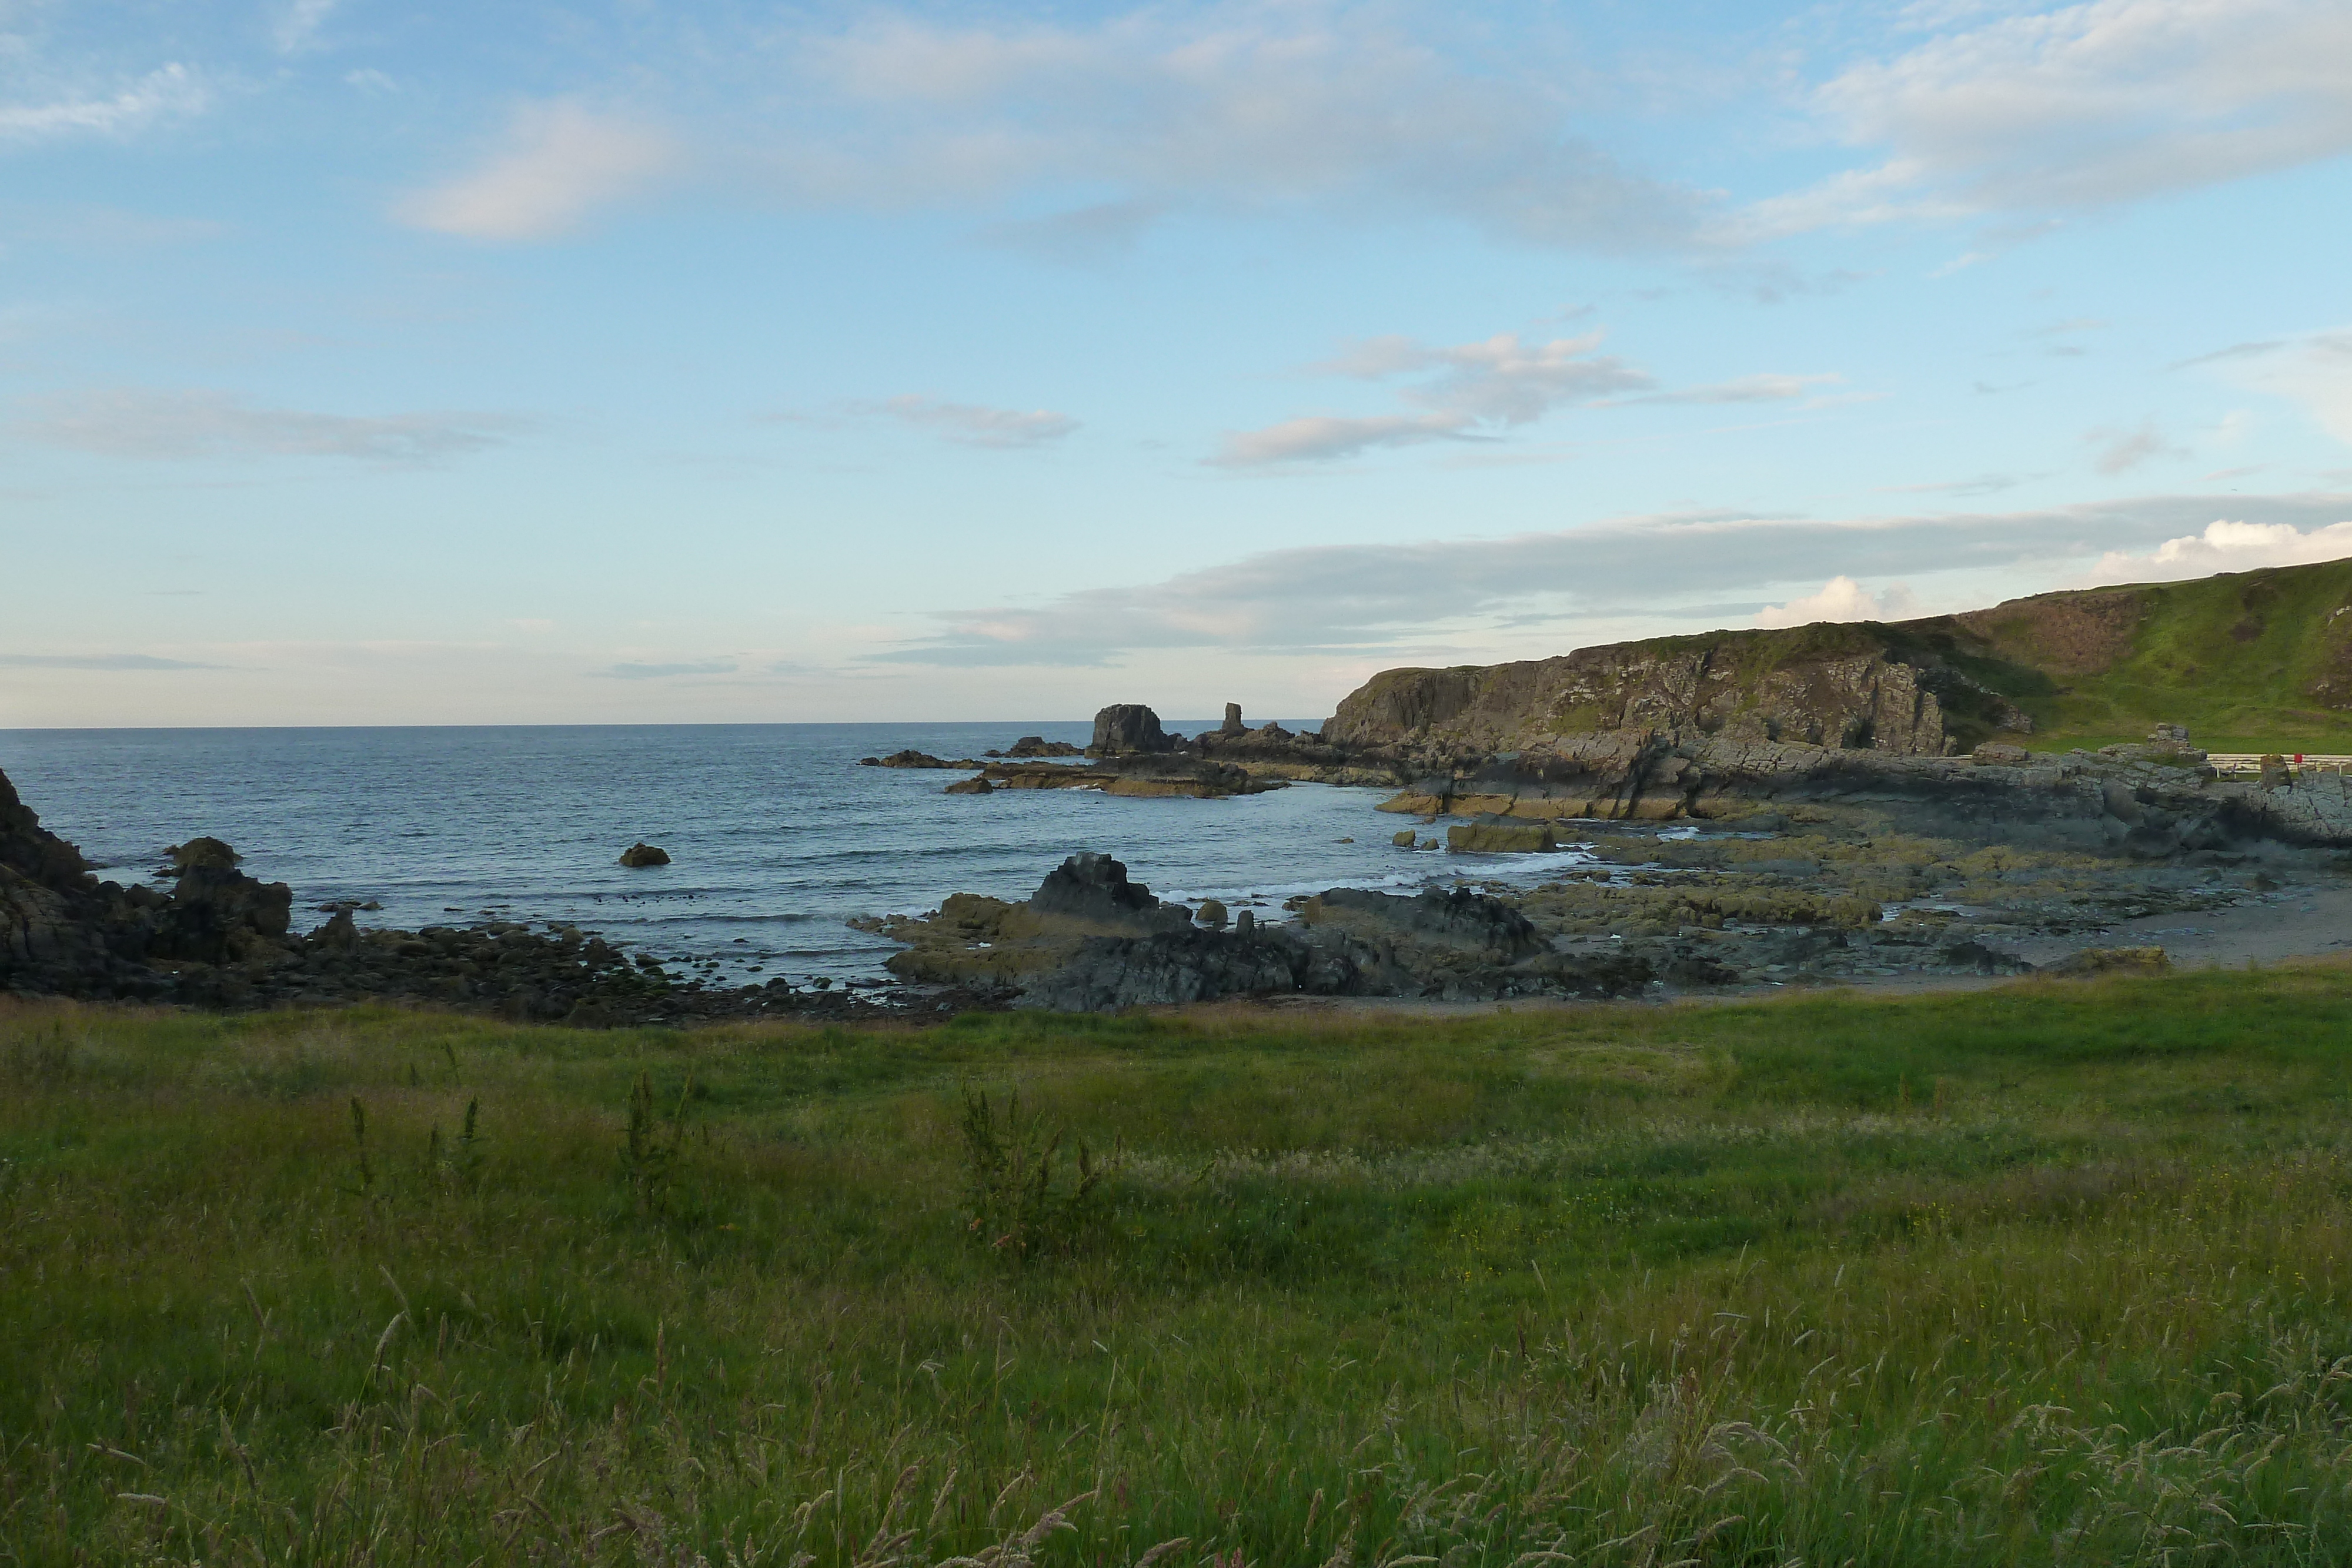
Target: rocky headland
1827,803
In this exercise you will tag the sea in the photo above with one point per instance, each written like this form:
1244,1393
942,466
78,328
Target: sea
776,836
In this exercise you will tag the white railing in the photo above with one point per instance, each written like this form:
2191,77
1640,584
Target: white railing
2252,761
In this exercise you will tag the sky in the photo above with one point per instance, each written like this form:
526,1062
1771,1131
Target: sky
710,361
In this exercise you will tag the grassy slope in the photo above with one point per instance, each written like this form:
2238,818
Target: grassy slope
2051,1274
2192,665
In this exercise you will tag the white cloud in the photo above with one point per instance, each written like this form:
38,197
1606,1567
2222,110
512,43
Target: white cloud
1842,598
1230,105
1475,392
974,424
169,92
2084,107
560,161
1073,137
135,422
1375,597
299,23
2227,545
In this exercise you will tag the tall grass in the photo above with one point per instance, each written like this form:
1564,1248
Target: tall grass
2053,1274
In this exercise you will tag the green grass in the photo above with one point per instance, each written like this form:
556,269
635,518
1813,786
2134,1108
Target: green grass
2051,1274
2249,662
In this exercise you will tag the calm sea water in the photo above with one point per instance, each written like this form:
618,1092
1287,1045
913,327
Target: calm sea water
777,836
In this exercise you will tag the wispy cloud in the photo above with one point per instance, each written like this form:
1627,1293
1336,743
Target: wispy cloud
662,671
139,423
98,662
1371,597
297,24
2080,108
2121,451
1478,391
1073,137
171,91
557,164
976,424
2313,370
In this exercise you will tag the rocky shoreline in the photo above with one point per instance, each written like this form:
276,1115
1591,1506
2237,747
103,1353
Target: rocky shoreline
1705,864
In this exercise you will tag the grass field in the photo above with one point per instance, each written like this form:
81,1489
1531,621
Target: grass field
2054,1273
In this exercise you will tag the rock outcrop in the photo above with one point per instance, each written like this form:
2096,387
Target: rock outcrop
910,757
1090,940
642,854
1038,745
1124,730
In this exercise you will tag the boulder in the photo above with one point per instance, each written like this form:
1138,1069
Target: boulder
1501,835
641,853
2001,754
208,852
1124,728
1210,913
977,784
1404,837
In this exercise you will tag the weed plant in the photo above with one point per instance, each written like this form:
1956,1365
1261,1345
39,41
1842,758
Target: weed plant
2053,1273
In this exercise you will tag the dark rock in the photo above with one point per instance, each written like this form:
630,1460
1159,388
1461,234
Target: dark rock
1973,957
913,758
641,854
1038,745
1212,913
1232,725
977,784
1455,917
1124,728
209,853
1094,889
1689,967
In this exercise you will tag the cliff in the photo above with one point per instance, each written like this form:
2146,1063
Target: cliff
2249,661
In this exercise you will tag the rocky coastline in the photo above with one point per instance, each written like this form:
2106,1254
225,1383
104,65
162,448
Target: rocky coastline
1837,804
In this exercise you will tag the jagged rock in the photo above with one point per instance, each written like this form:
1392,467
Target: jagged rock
1124,728
1094,890
641,854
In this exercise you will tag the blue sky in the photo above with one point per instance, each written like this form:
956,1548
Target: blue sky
363,363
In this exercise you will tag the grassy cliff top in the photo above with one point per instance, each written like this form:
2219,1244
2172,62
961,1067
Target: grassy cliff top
2255,661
